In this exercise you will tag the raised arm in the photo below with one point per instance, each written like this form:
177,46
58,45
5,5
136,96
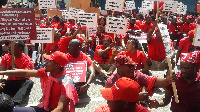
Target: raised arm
20,73
103,52
149,35
76,32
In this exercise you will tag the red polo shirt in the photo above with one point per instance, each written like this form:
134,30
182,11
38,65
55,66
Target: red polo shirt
136,27
186,28
184,44
145,28
81,57
106,108
24,62
103,59
138,57
188,95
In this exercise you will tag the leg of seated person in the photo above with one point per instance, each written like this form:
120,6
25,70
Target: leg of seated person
25,89
99,69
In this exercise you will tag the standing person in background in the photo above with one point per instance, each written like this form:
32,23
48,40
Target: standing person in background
62,5
30,4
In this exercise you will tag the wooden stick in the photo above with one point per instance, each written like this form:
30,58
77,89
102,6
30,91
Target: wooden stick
195,35
157,10
168,16
173,83
13,54
42,52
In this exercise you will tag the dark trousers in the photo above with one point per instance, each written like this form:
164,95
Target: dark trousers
29,109
17,89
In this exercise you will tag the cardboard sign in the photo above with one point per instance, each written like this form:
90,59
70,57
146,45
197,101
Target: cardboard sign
141,39
65,14
44,35
77,71
87,19
166,39
81,4
114,5
73,12
197,39
116,25
147,5
52,13
91,30
130,5
17,24
170,6
181,9
47,4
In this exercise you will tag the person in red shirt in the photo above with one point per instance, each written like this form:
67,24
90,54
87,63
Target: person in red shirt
188,25
185,44
102,56
58,89
74,54
139,20
96,38
157,54
16,87
187,83
145,27
132,26
122,97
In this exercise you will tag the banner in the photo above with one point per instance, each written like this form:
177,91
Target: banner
114,5
77,71
170,6
44,35
17,24
87,19
130,5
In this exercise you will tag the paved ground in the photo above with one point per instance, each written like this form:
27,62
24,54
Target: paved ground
89,102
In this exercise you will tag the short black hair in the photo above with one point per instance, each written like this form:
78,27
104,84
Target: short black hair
100,26
101,19
6,103
3,2
20,44
134,41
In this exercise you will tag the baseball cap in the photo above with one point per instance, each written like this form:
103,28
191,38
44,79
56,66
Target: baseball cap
124,89
191,33
122,60
191,57
58,57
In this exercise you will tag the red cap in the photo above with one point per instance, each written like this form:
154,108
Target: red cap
121,60
124,89
191,33
58,57
189,17
191,57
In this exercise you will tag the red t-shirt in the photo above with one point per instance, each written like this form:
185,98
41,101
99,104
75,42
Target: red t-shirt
136,27
186,28
188,95
184,44
138,57
81,57
156,50
65,42
93,38
145,28
172,28
104,59
106,108
52,47
24,62
57,88
139,23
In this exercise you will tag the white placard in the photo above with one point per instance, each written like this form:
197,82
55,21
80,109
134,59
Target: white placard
166,39
47,4
91,30
65,13
142,38
44,35
73,12
114,5
197,39
170,6
116,25
103,12
87,19
130,5
142,11
181,9
147,5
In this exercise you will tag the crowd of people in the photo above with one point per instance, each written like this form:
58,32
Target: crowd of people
122,63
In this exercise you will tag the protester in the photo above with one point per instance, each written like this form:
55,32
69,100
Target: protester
188,25
62,5
122,97
74,54
102,56
147,25
58,90
6,103
187,86
17,88
30,4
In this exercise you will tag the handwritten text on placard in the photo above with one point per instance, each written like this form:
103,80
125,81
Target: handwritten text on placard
46,4
44,35
87,19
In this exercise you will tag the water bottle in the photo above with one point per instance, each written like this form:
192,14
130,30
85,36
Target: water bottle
97,41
